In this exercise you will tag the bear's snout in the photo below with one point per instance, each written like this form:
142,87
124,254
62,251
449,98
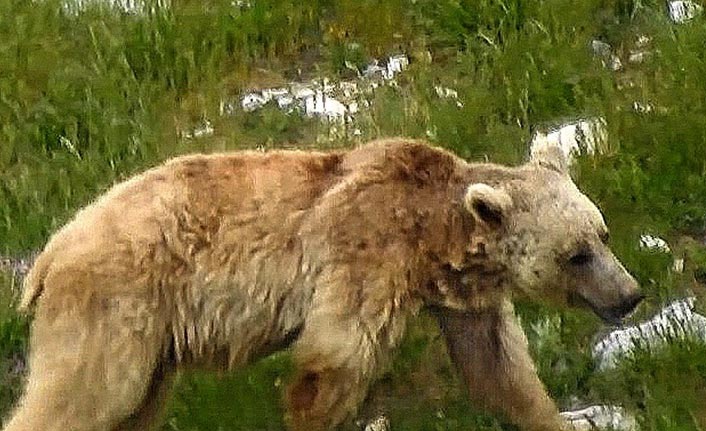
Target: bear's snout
614,315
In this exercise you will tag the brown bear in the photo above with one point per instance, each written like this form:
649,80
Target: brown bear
218,260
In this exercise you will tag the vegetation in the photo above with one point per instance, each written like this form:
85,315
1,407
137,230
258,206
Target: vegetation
89,97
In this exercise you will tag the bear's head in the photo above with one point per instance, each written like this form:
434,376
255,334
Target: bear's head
550,240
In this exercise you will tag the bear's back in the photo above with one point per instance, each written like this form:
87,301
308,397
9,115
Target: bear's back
226,203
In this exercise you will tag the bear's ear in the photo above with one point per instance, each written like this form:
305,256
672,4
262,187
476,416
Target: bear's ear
487,204
551,157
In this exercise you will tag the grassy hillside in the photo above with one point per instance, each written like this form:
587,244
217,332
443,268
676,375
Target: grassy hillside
88,98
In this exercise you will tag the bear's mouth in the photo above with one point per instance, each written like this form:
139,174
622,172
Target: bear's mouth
611,316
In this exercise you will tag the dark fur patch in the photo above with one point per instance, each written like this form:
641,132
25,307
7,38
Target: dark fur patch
304,392
424,164
488,214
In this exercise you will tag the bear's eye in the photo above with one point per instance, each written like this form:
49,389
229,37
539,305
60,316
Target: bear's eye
581,258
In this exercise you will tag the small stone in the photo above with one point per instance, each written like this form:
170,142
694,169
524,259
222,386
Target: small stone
585,136
381,423
600,417
654,243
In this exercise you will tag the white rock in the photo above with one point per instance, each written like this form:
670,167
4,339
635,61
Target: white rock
301,91
678,265
396,64
642,108
601,417
285,102
348,88
654,243
683,11
381,423
374,70
615,64
676,321
604,51
273,93
353,108
252,101
324,106
445,92
642,41
600,48
638,57
240,4
579,137
316,98
326,85
448,93
203,129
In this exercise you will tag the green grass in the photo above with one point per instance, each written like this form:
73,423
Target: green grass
121,87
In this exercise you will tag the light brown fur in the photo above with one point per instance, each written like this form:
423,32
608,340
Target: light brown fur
217,260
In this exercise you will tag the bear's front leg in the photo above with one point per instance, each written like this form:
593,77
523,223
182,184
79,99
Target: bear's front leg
490,350
321,400
335,365
336,361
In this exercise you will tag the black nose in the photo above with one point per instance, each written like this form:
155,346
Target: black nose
630,303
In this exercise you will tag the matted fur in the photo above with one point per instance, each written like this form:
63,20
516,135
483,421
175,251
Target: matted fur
217,260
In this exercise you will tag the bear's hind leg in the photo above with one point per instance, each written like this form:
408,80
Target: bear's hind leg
146,416
88,369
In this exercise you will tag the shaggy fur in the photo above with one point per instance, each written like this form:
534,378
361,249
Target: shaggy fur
217,260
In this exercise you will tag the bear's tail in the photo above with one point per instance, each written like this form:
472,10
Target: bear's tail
33,284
